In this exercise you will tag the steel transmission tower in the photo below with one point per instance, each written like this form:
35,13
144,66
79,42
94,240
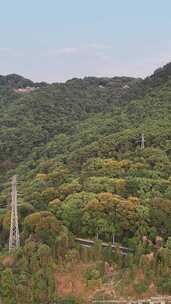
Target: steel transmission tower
14,238
142,142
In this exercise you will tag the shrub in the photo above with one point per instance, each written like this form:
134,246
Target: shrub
141,287
164,284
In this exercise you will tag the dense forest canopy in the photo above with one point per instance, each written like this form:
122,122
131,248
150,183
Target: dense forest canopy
76,148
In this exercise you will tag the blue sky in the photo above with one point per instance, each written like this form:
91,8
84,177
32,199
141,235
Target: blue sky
55,40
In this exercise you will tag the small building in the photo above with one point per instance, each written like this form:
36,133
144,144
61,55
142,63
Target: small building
25,90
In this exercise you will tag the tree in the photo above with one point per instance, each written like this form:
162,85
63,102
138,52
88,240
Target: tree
43,225
7,290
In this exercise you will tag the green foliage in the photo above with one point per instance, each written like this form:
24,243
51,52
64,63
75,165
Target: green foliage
164,284
71,300
7,290
76,148
92,274
43,225
141,287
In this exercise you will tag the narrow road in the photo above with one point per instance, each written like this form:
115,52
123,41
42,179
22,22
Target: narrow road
90,243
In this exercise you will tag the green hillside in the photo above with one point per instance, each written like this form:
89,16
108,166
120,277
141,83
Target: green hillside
76,149
31,120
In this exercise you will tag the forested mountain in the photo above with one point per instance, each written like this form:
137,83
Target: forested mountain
76,148
29,120
14,81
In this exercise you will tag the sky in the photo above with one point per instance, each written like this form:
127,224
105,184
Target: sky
56,40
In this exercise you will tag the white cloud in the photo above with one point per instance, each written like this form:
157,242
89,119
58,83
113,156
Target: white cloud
78,49
10,52
99,46
63,51
5,51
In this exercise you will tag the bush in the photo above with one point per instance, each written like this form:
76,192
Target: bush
92,274
141,287
164,284
71,300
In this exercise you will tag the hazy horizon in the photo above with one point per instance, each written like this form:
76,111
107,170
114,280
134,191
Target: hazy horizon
53,41
82,77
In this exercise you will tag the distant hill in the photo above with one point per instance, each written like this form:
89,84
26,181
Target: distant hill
14,81
86,118
31,120
161,75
